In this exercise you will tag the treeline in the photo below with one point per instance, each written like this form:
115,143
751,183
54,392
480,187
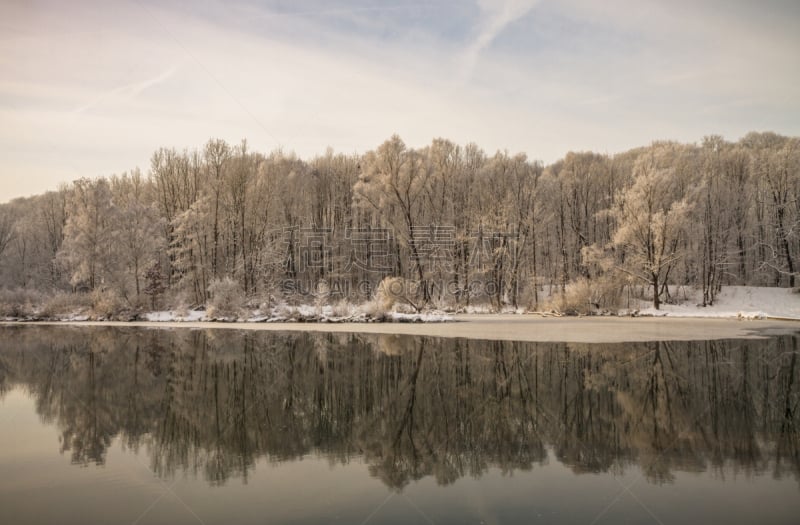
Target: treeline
453,225
217,404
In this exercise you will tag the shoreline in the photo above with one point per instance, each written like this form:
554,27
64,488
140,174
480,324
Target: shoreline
503,327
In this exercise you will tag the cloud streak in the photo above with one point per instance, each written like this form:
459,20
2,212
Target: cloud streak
126,92
496,15
349,73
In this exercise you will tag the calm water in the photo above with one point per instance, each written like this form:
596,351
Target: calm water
109,425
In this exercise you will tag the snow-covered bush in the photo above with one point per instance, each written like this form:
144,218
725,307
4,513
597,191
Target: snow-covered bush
226,299
321,296
63,304
373,309
179,300
587,296
282,310
574,300
395,291
18,302
261,303
106,304
342,309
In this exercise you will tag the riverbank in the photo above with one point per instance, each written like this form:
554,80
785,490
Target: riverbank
508,327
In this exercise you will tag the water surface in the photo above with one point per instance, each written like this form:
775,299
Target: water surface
131,425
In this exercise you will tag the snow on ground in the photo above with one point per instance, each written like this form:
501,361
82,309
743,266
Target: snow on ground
302,313
427,317
76,317
489,309
175,316
742,302
733,302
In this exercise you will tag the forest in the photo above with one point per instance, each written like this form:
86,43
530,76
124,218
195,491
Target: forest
442,226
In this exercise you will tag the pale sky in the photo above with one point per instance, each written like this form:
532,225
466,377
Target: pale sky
92,88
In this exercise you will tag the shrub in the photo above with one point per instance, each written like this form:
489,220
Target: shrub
574,300
15,310
394,291
342,309
106,304
65,303
373,309
226,300
19,302
585,297
179,300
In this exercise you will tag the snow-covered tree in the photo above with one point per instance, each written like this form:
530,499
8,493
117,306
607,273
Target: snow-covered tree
393,181
776,166
651,217
446,216
89,250
6,228
137,228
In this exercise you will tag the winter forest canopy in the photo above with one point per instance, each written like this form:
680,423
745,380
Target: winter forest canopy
449,225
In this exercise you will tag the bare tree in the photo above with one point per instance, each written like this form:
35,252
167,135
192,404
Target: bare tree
217,155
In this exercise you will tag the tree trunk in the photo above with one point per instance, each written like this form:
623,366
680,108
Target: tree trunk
785,246
656,294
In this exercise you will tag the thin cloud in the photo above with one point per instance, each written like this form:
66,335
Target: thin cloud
350,10
496,15
128,91
601,77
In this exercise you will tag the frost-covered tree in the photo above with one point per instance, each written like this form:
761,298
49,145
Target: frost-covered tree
176,180
89,250
6,228
465,227
776,166
712,216
137,230
190,249
393,182
651,217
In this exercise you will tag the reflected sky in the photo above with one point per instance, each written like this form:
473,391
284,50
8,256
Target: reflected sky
154,426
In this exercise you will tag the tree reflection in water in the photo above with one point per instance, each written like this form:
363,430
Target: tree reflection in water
212,403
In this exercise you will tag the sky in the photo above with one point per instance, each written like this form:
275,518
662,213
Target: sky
90,88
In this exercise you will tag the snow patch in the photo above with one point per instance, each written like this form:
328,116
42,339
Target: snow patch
736,302
304,314
175,317
428,317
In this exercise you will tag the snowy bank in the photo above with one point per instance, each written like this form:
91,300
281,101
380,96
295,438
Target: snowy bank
303,314
735,302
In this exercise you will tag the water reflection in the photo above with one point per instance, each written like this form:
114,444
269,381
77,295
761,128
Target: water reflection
212,403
